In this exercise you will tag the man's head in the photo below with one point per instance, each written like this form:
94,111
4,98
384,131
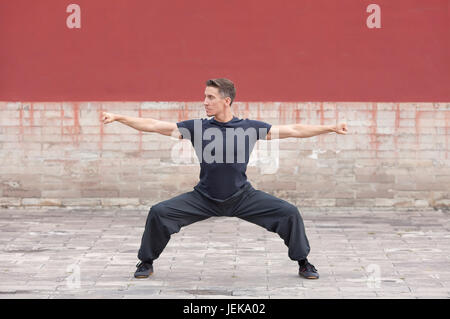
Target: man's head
219,94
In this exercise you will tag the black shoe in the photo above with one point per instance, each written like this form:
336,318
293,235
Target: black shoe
143,270
308,271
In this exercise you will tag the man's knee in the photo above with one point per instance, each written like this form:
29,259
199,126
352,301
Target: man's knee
290,210
161,216
158,211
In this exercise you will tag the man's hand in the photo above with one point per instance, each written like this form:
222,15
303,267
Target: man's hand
108,117
341,128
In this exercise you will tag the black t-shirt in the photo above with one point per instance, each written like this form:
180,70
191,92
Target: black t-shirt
222,173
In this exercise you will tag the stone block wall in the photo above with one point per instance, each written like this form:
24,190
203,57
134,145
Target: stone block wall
395,155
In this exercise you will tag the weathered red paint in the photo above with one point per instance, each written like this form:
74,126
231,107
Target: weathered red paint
447,129
336,114
287,113
397,126
297,116
374,135
74,130
322,119
62,120
100,116
417,127
31,115
140,132
247,110
282,114
21,120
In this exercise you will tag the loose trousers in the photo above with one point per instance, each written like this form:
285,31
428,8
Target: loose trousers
255,206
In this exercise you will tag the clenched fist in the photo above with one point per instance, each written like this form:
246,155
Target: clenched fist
341,128
108,117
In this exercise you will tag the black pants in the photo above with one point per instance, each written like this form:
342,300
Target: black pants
255,206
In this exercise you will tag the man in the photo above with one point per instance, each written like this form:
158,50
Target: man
223,189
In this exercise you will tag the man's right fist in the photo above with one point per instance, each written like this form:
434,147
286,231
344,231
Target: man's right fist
108,118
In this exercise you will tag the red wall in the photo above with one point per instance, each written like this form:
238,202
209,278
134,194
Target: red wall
303,50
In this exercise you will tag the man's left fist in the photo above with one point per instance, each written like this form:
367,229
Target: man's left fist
341,128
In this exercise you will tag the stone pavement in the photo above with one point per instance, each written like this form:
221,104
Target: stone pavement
91,253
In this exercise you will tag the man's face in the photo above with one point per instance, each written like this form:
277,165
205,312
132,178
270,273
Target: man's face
214,102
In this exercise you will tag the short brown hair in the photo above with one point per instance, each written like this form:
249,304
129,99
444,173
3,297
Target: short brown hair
225,86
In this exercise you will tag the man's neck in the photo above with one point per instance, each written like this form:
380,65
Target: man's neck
223,117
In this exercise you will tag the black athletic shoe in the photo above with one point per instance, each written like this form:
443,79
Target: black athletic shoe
143,270
308,271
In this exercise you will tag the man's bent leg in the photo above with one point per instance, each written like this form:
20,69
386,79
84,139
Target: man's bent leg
167,218
279,216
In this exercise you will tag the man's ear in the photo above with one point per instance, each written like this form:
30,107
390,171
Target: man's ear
228,100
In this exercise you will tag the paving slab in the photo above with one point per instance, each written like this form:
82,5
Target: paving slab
92,253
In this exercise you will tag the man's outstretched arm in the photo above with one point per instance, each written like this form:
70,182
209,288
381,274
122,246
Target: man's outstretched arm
302,130
143,124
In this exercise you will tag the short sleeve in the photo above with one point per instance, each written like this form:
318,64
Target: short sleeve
262,128
186,129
